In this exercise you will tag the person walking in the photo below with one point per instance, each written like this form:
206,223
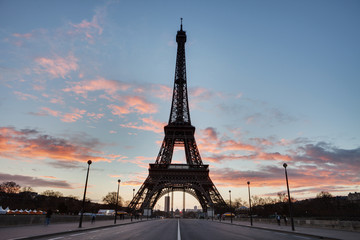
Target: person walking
278,219
93,216
48,217
285,220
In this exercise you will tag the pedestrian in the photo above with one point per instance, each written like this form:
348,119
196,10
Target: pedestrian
93,216
285,220
48,216
278,219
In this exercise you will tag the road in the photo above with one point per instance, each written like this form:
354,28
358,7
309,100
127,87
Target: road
178,229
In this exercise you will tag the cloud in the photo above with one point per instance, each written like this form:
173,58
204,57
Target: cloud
31,144
48,111
274,176
56,67
328,156
133,183
148,125
133,104
24,35
34,181
99,84
89,29
210,142
117,110
25,96
74,116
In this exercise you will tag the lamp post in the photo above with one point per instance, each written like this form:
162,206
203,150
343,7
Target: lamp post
251,220
117,200
230,207
289,198
133,192
83,203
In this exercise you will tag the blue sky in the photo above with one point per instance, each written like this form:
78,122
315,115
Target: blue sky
269,82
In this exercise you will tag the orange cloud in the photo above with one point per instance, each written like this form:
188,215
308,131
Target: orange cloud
30,144
48,177
57,67
132,183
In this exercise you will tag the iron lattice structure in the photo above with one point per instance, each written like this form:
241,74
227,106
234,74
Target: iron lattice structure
192,177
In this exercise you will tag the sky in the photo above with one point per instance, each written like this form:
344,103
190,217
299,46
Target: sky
269,82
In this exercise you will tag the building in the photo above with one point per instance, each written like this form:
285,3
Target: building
167,204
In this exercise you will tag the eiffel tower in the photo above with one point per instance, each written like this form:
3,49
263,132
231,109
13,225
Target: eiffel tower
165,177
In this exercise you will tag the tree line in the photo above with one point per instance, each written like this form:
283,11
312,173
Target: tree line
15,197
323,206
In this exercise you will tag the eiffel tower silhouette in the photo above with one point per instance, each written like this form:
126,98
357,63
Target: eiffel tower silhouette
165,177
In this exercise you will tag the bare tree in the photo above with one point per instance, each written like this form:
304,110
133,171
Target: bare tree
10,187
324,194
110,199
51,193
27,189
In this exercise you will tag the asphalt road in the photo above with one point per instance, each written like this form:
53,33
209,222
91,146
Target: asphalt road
178,229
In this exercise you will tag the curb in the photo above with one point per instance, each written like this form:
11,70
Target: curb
284,231
75,231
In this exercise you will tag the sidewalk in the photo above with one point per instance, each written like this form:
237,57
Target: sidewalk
34,231
322,233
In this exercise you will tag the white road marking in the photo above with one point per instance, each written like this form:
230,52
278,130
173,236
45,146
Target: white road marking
55,238
94,231
77,234
302,237
178,235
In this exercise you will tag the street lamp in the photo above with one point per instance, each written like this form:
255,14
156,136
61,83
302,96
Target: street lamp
133,192
230,207
251,220
117,200
83,203
289,198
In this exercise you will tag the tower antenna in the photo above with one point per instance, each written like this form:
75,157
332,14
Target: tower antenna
181,24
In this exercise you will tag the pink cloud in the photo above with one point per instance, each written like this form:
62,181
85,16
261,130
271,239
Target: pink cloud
25,96
24,35
56,67
210,133
74,116
99,84
95,116
51,112
89,29
119,111
140,105
133,104
148,125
